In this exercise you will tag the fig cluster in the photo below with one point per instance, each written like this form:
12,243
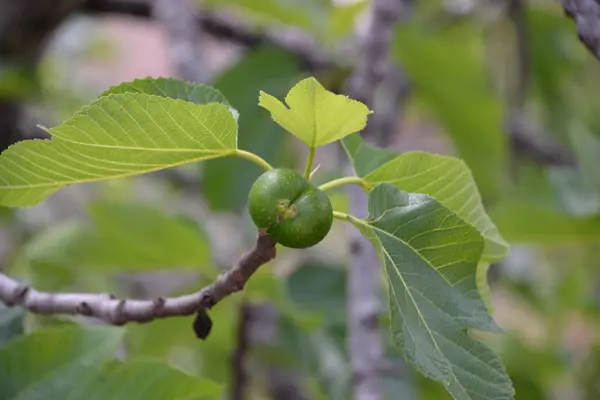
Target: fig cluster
294,212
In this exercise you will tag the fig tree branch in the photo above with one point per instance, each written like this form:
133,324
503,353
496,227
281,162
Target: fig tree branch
121,311
586,14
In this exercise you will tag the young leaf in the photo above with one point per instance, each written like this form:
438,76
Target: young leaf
116,136
430,257
148,379
47,363
170,88
447,179
315,115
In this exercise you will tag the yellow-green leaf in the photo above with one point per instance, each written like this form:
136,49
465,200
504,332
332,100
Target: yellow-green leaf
116,136
315,115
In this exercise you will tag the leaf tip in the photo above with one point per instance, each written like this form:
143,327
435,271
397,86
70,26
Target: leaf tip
42,127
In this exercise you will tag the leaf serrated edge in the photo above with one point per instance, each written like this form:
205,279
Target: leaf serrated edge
502,242
382,251
162,78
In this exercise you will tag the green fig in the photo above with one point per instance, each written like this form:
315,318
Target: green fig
294,213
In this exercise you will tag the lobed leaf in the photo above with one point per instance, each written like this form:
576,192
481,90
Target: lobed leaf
447,179
430,256
315,115
115,136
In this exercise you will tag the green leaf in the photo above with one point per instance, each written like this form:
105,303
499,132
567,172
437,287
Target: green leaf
11,323
147,379
52,256
170,88
430,257
483,286
122,237
399,385
306,14
364,157
530,222
447,179
47,363
116,136
258,133
552,69
343,18
213,355
137,236
573,191
320,288
315,115
587,150
450,78
316,352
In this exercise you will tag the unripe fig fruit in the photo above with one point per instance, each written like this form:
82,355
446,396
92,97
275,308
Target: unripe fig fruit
295,213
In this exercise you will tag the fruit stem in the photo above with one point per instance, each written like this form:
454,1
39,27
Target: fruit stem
347,180
341,215
309,163
254,158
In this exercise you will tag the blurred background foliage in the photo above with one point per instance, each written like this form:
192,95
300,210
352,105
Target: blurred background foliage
469,67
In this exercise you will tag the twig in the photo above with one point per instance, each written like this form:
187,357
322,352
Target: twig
294,41
364,339
121,311
586,14
179,19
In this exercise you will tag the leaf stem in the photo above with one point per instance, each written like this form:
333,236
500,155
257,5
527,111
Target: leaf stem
309,162
254,158
343,181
